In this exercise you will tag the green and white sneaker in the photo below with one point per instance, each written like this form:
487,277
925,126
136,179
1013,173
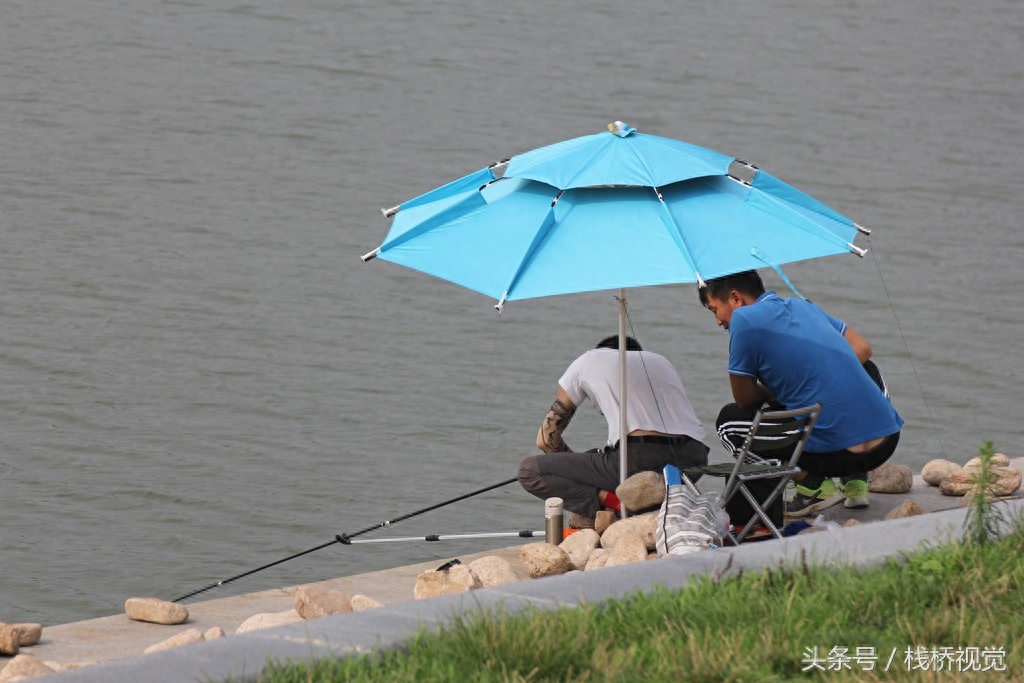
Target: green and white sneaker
807,501
856,492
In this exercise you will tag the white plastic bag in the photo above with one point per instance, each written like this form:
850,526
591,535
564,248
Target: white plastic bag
688,522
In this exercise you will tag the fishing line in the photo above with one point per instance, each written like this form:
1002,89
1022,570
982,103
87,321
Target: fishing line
346,539
487,395
906,347
632,333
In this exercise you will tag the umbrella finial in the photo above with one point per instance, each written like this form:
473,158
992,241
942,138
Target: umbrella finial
621,129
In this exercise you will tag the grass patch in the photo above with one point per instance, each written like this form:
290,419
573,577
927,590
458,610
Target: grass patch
926,609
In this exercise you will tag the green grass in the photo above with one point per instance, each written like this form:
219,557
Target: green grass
743,627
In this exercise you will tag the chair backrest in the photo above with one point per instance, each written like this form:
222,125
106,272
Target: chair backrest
777,429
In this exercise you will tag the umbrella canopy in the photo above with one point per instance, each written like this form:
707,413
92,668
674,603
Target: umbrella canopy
623,158
613,210
584,208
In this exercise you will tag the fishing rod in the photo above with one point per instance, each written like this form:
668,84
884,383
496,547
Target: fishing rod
346,539
525,533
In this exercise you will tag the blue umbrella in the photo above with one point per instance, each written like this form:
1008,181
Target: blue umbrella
613,210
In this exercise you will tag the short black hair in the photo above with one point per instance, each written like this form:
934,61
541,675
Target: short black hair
613,343
748,282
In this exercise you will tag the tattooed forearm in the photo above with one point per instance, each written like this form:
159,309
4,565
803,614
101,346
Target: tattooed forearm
555,422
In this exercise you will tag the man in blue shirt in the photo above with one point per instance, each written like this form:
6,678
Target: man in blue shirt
790,353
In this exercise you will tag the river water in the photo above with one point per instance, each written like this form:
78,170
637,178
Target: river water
199,375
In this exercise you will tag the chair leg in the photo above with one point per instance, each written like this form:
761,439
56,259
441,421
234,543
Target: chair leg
758,514
759,508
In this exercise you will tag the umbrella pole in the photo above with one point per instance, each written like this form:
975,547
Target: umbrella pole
623,448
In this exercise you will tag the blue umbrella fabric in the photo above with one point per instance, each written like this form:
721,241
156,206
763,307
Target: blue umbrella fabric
521,234
623,157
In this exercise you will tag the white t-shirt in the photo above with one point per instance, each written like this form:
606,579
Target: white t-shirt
666,409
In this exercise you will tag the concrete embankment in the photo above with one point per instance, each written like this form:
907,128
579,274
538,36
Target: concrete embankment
114,645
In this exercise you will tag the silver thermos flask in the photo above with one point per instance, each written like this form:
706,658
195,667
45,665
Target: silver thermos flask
553,524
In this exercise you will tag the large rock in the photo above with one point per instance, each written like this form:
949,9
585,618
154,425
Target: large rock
906,509
937,471
890,478
579,546
604,519
457,579
640,525
24,667
313,602
957,484
189,637
1006,481
997,460
628,549
268,620
28,634
9,641
497,571
361,603
214,633
155,611
578,521
598,559
544,559
641,491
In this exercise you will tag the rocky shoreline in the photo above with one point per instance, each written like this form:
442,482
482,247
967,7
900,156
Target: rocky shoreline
152,625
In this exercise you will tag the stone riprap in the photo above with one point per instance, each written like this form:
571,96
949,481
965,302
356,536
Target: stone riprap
457,579
956,480
313,602
890,477
641,491
61,648
494,571
155,611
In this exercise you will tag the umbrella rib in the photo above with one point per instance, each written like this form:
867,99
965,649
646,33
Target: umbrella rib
538,238
749,183
677,235
647,169
832,237
474,199
583,167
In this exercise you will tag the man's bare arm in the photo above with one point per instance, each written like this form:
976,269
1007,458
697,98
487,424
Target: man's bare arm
860,345
549,437
747,392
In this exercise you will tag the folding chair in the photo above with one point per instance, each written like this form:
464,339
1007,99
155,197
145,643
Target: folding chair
771,430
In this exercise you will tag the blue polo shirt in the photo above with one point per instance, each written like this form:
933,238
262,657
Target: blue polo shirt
798,351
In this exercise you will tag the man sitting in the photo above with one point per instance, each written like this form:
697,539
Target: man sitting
790,353
662,428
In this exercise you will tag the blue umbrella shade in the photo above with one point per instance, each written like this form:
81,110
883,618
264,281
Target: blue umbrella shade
620,156
517,239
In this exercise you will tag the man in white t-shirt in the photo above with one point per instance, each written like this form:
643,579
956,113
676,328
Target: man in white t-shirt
662,428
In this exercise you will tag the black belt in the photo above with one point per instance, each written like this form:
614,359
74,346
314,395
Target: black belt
654,438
